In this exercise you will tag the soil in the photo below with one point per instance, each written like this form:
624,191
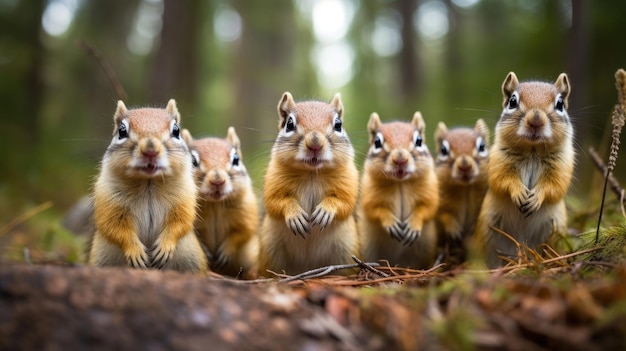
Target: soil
57,307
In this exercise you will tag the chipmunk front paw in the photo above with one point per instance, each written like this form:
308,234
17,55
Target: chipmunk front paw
532,204
410,235
161,253
322,217
137,257
299,223
397,230
219,259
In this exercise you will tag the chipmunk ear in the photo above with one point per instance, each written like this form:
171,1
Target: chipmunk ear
337,104
286,105
562,85
232,137
509,86
441,130
482,129
173,110
373,126
418,122
120,113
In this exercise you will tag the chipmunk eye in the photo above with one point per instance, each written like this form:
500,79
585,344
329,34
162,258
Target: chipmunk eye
418,141
195,158
513,102
559,105
290,126
235,161
480,145
378,141
176,131
122,131
337,125
445,148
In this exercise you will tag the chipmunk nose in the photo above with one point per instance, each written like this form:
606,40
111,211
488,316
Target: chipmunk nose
149,153
314,142
400,159
464,165
536,121
217,182
149,149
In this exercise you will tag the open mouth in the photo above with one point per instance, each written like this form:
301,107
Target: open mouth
150,168
314,162
400,174
214,195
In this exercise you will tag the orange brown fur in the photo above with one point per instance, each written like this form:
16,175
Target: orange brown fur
144,196
461,165
531,167
310,190
228,216
399,195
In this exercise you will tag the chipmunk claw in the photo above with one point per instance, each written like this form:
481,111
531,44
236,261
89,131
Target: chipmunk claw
321,217
160,255
533,203
410,236
299,224
220,260
397,230
138,257
138,261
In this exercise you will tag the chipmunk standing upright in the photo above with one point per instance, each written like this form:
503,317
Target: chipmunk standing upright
145,195
228,216
310,190
530,169
461,166
399,195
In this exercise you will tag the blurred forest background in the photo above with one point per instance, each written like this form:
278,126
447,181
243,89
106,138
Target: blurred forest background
228,62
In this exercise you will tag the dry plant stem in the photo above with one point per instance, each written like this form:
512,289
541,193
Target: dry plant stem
318,272
618,121
108,71
28,214
612,182
368,267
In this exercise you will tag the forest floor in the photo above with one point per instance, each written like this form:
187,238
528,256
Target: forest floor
572,302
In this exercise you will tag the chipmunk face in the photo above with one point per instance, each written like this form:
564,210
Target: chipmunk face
311,134
397,149
220,171
462,152
535,112
146,142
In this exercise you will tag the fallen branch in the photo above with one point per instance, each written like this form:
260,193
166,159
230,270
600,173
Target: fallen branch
322,271
369,267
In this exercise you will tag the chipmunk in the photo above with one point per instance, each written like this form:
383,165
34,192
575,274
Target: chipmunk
228,215
310,191
461,167
530,169
145,195
399,195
